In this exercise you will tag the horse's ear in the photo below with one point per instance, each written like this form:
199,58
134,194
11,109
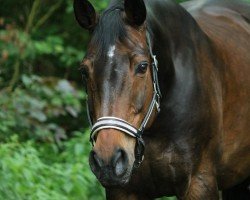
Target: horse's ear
85,14
135,11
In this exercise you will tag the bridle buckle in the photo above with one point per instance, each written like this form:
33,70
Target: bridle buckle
155,63
157,102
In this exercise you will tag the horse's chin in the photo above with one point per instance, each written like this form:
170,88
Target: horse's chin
110,182
114,184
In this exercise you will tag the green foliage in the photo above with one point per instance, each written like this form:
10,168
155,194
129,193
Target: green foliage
38,108
43,144
27,173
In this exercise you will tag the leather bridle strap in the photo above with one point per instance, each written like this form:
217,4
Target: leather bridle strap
114,123
111,122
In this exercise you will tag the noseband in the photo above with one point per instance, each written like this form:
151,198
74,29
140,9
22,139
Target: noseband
107,122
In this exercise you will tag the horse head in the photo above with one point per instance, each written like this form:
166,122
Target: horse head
121,81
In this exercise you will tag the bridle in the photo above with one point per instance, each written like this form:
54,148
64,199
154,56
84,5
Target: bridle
113,122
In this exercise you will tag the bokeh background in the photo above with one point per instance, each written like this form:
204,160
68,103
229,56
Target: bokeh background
44,133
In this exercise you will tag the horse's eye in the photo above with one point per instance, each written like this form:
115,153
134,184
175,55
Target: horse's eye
142,67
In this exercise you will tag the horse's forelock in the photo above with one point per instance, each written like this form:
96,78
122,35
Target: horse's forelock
109,30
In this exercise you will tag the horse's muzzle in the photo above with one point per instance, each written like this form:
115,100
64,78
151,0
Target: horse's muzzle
114,172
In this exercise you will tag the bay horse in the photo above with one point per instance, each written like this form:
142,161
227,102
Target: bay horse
169,98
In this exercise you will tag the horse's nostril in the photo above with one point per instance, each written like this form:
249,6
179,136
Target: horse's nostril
95,161
120,162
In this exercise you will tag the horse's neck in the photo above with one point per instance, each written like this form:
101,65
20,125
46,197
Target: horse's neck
173,28
177,42
173,24
177,39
